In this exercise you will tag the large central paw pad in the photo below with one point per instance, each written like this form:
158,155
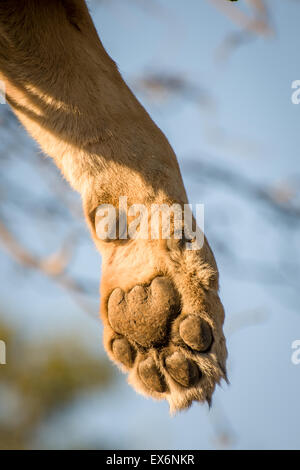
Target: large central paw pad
144,313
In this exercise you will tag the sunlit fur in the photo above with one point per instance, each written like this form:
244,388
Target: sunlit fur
70,96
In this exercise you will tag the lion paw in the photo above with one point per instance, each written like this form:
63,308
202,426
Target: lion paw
169,353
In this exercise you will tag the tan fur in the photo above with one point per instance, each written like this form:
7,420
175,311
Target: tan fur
71,98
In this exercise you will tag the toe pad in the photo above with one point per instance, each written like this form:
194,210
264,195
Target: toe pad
182,370
123,352
151,376
196,333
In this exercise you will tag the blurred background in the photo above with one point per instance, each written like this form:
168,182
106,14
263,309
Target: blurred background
217,78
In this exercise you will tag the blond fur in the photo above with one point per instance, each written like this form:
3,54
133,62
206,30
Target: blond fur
71,98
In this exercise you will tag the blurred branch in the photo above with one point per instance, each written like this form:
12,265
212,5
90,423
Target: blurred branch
53,266
242,320
161,84
231,42
243,185
258,23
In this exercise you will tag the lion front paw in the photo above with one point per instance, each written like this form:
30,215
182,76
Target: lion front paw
169,353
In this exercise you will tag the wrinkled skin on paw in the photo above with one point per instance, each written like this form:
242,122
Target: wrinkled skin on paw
163,320
144,313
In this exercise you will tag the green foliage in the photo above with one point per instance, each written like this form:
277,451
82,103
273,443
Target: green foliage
40,379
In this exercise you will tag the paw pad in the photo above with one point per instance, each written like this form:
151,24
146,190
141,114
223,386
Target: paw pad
151,377
142,315
169,354
182,370
123,352
196,333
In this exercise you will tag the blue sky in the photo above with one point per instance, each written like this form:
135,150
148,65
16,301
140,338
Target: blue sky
259,140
